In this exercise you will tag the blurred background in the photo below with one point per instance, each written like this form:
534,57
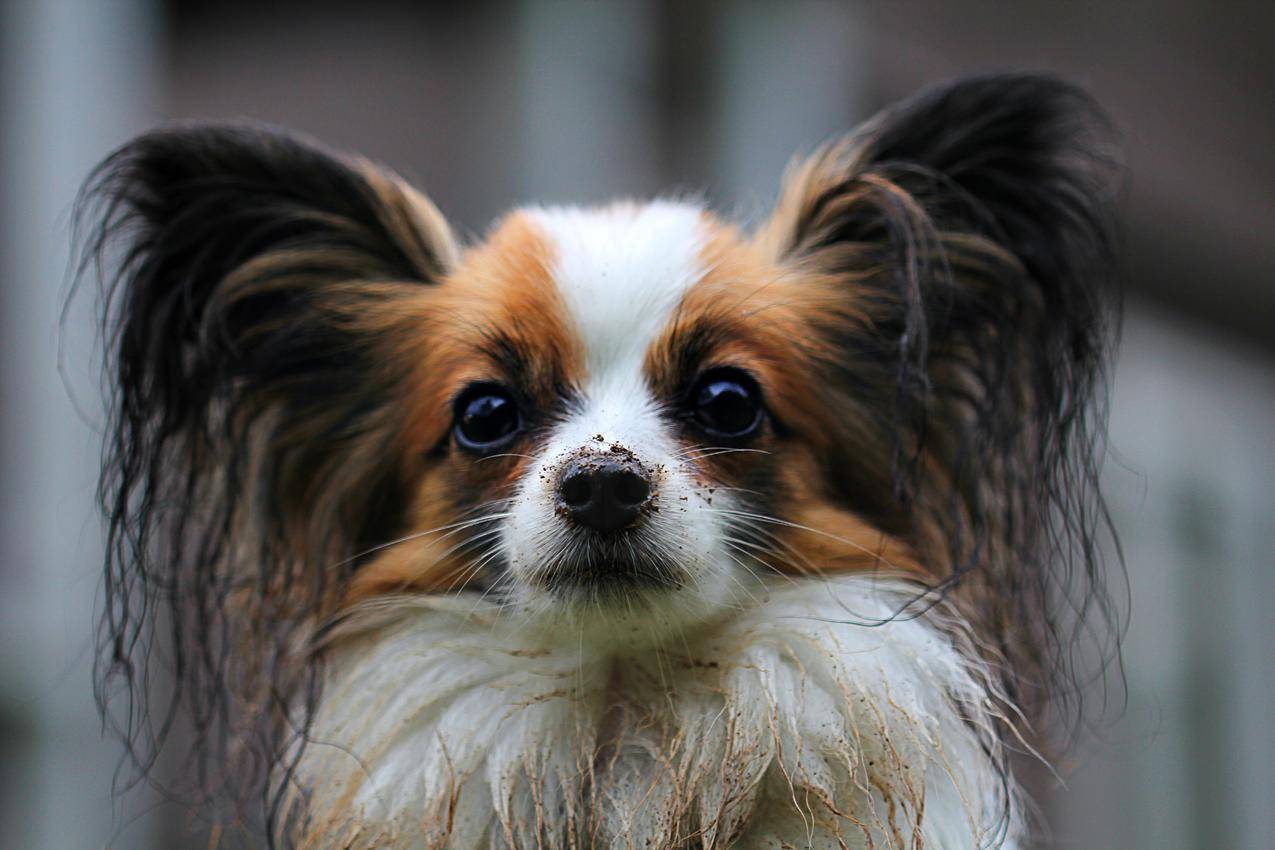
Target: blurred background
488,105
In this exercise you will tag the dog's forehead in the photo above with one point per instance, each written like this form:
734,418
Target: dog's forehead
621,272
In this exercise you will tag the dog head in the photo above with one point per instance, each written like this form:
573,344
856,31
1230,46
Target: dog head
618,423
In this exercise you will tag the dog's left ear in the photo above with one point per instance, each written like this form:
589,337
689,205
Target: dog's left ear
968,231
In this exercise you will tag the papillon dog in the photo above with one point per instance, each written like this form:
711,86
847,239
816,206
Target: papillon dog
625,527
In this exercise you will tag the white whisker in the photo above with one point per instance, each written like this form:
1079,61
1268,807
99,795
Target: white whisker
799,527
450,528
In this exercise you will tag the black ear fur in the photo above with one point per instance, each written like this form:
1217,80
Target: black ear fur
252,404
972,227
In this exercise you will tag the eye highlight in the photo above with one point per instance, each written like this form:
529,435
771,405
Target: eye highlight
726,403
486,418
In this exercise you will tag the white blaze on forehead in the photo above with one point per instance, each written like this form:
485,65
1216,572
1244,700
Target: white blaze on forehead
621,271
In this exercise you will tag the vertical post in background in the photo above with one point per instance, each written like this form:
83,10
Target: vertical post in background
588,99
77,80
789,76
781,78
1185,763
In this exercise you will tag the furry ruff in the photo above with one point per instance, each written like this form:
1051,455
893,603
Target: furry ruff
817,719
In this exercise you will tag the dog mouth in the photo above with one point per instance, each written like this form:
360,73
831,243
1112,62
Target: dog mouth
610,570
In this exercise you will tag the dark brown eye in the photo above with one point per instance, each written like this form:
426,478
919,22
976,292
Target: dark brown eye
487,418
726,403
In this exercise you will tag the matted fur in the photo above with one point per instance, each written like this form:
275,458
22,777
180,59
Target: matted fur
811,719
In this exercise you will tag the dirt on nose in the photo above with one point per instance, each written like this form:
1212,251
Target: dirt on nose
600,452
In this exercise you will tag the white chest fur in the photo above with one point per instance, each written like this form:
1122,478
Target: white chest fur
793,724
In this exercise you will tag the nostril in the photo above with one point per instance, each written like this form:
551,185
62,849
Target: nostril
631,489
576,489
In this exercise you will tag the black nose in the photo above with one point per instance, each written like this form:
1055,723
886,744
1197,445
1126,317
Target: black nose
603,495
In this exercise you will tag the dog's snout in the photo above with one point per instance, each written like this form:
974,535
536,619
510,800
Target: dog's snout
602,494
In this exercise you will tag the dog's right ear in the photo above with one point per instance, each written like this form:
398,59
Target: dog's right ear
255,330
248,320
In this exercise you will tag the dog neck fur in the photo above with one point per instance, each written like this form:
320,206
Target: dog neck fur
817,720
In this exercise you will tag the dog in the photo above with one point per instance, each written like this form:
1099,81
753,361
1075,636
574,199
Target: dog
625,527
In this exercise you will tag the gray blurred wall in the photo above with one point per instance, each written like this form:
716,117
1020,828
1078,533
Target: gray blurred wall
77,77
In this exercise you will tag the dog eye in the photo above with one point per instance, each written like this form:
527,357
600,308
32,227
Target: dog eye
486,417
726,402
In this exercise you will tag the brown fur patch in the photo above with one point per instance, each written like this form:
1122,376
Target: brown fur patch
498,318
771,320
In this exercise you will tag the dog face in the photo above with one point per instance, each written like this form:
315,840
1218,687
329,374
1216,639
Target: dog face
608,405
615,424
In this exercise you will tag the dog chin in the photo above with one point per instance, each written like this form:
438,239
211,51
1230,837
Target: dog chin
651,585
813,713
612,576
625,604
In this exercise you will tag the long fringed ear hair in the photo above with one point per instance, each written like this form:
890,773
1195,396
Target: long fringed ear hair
250,340
972,227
